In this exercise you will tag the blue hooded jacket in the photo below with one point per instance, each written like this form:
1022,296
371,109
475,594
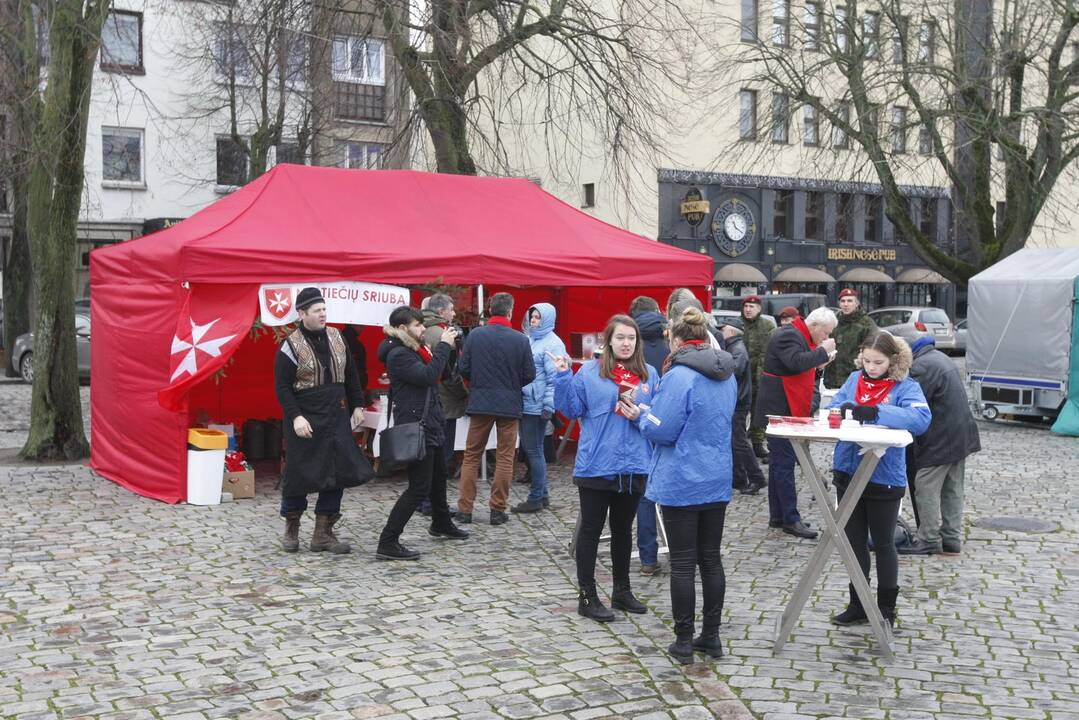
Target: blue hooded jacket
610,446
690,424
905,408
653,336
539,394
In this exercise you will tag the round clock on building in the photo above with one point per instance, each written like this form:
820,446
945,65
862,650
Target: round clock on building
733,227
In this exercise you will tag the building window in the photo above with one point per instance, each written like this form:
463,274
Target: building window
355,101
844,207
363,156
814,213
925,140
589,193
747,114
899,130
841,35
927,217
812,26
231,57
840,139
871,34
121,156
749,21
232,166
872,218
927,40
871,121
781,214
781,23
358,60
1002,209
121,42
289,152
780,118
899,44
810,127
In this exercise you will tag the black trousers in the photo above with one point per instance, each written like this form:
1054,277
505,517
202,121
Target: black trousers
595,506
876,513
693,539
426,479
746,468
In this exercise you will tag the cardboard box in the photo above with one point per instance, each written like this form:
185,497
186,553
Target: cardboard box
240,484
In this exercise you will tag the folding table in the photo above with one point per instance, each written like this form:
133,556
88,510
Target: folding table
874,441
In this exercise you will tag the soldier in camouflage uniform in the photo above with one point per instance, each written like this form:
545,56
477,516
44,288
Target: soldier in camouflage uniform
854,327
756,332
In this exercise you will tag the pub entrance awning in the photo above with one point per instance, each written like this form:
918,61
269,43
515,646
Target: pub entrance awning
865,275
803,275
923,276
740,273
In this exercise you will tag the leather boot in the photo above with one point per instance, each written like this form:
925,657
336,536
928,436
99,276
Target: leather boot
590,606
708,642
622,599
886,598
681,650
854,614
324,539
290,541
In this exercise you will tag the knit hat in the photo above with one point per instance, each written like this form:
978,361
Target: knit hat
734,321
308,297
789,312
848,292
751,299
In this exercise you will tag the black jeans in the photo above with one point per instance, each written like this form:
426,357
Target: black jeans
595,505
426,479
746,468
693,539
328,503
877,512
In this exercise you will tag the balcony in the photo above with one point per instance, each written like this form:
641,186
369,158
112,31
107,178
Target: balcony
353,101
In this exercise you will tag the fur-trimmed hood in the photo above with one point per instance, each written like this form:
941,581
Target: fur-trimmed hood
899,370
395,337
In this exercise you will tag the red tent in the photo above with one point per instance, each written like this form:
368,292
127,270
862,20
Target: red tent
297,224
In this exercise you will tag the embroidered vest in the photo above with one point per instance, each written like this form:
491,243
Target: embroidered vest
309,371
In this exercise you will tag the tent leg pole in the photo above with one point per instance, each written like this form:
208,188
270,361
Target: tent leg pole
479,296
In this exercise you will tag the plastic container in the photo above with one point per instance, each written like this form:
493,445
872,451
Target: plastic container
205,465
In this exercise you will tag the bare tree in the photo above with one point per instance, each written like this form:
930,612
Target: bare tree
579,68
966,77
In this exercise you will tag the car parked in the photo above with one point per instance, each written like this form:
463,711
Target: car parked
22,352
911,323
961,336
719,315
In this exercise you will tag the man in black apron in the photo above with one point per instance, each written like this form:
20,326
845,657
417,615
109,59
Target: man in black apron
319,390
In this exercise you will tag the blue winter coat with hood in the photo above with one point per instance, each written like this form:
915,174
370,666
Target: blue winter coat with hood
905,408
610,446
690,424
539,394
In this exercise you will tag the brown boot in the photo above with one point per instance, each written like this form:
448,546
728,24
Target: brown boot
290,541
324,539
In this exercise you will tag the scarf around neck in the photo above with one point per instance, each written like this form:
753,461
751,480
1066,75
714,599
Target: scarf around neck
873,392
499,320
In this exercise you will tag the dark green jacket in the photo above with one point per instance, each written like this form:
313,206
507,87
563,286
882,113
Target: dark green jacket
849,334
755,334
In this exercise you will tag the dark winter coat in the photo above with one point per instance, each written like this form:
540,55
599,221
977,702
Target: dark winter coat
953,434
412,381
787,353
849,334
653,337
497,362
452,389
736,346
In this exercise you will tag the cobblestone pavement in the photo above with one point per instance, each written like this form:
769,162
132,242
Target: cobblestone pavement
113,606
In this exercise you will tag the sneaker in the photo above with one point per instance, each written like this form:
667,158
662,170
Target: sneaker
528,506
951,547
649,568
463,518
498,517
451,532
395,551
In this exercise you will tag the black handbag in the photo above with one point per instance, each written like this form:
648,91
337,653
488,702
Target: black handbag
405,444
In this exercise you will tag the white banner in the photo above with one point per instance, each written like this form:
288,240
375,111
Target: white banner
349,303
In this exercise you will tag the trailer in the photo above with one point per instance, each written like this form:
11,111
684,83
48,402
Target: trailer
1022,355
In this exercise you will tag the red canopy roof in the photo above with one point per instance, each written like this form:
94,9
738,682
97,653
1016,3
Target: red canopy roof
299,223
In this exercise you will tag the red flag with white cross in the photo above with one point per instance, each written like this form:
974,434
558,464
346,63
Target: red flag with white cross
213,321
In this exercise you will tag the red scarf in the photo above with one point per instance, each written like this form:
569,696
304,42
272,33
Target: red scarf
621,375
499,320
799,388
669,360
872,392
425,353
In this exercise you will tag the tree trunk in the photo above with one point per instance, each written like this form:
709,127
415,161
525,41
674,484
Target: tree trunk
448,128
56,180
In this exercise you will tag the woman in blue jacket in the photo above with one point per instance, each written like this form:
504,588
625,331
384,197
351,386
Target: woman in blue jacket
539,401
612,458
881,393
691,472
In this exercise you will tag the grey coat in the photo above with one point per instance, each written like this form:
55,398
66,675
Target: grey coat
953,433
